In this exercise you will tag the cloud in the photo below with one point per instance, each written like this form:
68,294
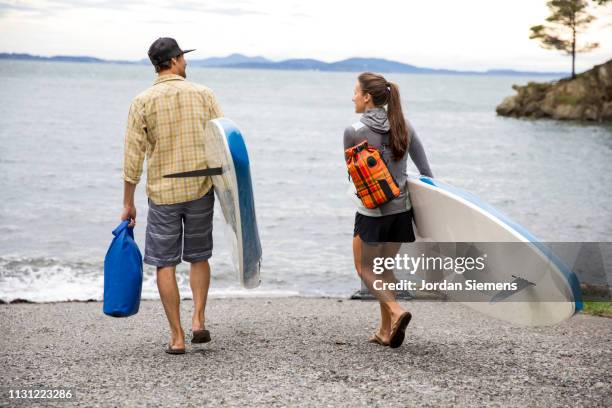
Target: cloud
238,8
232,11
14,6
18,7
95,4
47,8
415,32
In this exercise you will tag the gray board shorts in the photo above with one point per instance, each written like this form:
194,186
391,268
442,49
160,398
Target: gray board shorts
180,229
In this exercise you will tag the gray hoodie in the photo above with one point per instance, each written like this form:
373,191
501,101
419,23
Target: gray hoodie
374,127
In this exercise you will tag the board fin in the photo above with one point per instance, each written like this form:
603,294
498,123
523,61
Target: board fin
521,284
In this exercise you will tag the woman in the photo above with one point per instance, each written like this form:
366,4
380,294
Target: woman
380,231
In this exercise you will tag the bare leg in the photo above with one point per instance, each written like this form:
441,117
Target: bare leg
199,280
384,330
389,250
364,258
357,254
385,322
169,294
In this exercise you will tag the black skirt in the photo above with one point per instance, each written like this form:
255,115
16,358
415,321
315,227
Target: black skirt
388,228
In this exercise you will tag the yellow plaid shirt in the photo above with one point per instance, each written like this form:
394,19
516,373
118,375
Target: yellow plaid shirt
166,123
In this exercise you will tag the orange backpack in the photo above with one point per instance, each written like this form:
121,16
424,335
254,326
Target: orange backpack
374,183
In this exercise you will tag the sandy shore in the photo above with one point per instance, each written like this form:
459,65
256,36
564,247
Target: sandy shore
307,352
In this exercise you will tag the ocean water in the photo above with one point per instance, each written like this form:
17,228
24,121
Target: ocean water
61,152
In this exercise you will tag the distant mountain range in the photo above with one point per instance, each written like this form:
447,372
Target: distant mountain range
242,61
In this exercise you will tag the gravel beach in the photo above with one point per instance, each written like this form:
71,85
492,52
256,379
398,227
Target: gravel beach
302,351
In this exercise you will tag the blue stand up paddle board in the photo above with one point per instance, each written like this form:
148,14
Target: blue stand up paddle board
228,165
234,191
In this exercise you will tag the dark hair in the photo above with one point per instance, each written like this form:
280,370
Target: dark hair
387,93
163,66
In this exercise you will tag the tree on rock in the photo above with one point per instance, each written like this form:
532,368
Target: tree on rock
567,20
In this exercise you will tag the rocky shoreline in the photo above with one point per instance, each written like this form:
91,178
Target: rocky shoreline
588,97
281,352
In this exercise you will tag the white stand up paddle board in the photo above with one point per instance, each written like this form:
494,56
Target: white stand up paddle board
549,292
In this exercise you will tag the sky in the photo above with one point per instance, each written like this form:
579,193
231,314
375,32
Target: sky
460,35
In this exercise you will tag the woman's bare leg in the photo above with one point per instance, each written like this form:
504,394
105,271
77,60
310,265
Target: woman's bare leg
364,255
389,250
385,324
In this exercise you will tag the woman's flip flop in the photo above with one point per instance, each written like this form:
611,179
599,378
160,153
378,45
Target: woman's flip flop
171,350
376,339
398,331
201,336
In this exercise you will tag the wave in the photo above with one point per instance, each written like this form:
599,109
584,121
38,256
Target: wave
46,279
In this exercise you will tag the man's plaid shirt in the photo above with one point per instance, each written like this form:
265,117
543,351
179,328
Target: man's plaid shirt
166,123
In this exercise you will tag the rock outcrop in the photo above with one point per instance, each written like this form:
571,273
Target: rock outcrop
587,97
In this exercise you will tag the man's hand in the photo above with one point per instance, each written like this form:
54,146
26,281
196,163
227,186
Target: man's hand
129,213
129,209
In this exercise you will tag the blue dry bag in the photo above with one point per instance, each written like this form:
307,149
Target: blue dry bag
122,274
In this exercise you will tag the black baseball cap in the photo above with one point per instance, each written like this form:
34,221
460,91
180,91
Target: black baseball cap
164,49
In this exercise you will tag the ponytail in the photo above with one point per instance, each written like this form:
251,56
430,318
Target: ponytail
387,93
398,134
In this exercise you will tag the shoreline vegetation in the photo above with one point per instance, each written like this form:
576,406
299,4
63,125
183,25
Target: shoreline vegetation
602,309
587,97
240,61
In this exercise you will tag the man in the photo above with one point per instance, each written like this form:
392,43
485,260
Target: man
166,123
